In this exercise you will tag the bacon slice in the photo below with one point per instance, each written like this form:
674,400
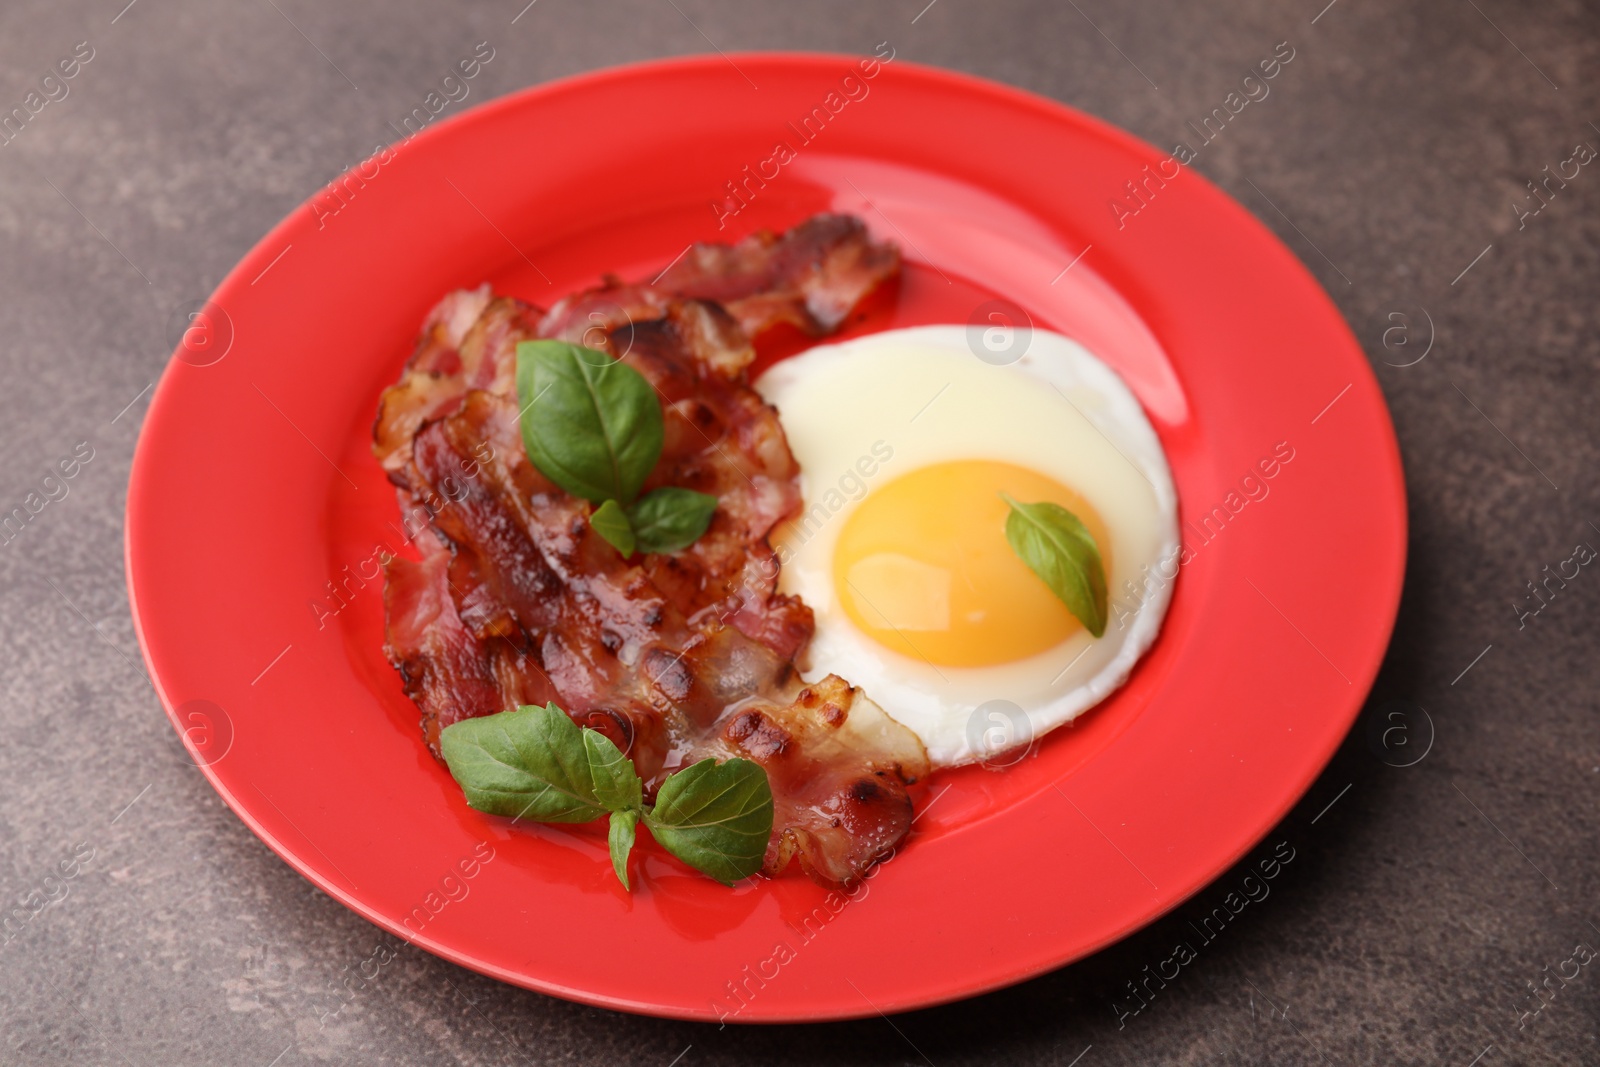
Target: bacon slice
836,814
675,657
450,672
813,276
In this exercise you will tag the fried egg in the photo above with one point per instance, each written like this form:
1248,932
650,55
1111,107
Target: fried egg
906,441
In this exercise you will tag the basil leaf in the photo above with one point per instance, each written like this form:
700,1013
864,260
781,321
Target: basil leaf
531,763
611,523
590,424
1059,548
716,817
669,519
616,783
620,838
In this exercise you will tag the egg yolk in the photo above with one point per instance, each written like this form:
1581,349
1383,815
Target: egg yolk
923,566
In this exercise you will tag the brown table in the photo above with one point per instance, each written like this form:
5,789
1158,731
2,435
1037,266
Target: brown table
1423,899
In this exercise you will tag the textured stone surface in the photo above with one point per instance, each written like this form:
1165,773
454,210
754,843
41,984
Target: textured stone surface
1418,906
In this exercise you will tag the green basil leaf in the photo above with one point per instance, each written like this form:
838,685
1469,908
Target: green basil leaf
716,817
620,837
529,764
616,783
669,519
590,424
611,523
1059,548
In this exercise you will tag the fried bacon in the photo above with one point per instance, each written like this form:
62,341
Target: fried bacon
834,813
811,277
675,657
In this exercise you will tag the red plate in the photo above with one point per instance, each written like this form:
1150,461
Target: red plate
253,489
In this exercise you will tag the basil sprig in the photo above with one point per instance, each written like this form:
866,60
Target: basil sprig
536,763
593,426
1058,547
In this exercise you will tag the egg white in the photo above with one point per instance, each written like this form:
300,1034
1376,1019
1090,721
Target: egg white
922,396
